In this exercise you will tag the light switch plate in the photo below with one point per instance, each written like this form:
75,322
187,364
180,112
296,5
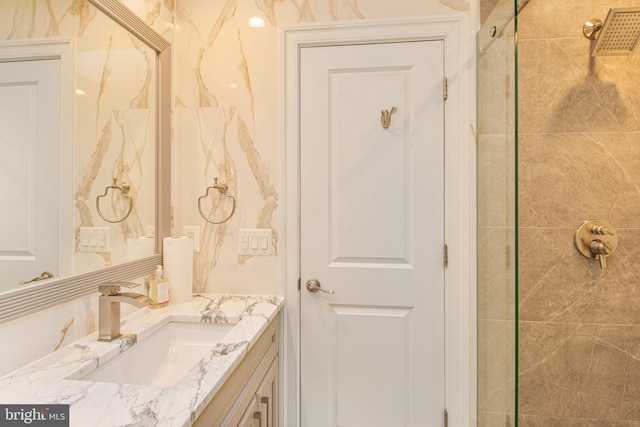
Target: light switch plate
255,241
94,240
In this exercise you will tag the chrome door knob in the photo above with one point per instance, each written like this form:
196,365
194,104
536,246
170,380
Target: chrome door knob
314,286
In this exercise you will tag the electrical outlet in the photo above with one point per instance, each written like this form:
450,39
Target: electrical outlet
193,231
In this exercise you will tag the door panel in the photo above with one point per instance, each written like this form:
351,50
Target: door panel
366,362
372,230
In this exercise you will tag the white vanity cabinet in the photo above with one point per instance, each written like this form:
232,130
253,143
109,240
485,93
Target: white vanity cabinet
249,398
263,410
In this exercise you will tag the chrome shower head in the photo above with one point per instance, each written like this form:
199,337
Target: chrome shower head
618,35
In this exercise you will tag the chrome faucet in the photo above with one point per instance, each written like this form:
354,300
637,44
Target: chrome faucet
109,307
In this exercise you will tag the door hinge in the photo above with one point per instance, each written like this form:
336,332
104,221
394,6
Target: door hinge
445,255
446,418
445,89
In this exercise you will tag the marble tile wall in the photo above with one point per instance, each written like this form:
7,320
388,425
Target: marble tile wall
579,158
227,123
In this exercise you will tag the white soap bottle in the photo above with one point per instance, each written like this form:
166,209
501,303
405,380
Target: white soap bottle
158,289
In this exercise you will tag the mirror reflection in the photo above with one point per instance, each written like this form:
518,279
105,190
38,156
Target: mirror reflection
78,142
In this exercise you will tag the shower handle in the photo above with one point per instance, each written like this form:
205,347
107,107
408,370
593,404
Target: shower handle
596,239
600,250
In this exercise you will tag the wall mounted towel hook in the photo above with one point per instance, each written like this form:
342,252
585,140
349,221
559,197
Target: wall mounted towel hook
124,190
222,188
385,117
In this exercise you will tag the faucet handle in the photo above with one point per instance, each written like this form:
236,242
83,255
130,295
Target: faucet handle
601,250
596,239
112,288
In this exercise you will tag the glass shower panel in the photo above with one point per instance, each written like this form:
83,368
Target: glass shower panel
496,192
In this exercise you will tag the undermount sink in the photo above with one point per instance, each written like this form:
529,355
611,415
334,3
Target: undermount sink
162,358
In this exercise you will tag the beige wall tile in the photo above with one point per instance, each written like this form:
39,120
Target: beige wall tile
496,180
552,273
579,371
544,421
496,369
496,82
566,178
552,18
490,419
613,299
563,89
496,277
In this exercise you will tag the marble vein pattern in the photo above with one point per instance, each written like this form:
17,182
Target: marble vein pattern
224,116
64,332
116,113
50,330
56,378
156,13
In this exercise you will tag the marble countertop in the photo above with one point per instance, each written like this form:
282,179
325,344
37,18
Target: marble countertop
46,381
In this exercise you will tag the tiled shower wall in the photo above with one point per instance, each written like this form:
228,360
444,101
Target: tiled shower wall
579,159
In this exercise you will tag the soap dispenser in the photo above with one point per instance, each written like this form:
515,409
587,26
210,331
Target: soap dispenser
158,289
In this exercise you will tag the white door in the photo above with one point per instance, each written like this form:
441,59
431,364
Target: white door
372,231
30,105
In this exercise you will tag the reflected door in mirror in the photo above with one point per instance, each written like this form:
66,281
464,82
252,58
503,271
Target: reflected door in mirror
29,169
